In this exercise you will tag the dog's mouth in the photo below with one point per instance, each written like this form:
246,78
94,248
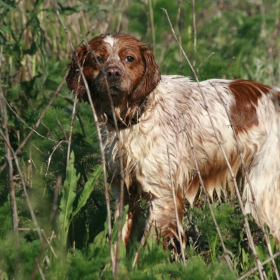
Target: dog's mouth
115,90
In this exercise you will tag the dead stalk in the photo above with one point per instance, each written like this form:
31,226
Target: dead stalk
107,196
178,23
247,227
40,269
23,186
8,157
152,25
176,209
61,128
71,129
200,64
50,157
194,32
252,270
121,198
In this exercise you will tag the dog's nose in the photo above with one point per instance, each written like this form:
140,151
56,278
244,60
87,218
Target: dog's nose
113,72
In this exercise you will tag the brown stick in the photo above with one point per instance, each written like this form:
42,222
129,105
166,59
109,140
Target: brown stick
194,32
121,198
8,157
23,186
107,196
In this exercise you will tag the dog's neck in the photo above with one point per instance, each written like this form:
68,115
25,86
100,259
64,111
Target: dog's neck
132,119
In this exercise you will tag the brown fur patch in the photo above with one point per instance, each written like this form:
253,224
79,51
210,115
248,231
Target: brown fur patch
246,94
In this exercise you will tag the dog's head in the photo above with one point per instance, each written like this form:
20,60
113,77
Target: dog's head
115,63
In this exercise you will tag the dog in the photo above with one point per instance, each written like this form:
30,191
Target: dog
163,119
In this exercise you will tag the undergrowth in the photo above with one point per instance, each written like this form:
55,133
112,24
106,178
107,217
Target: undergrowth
69,202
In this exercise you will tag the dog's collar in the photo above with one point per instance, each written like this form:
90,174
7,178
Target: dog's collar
134,120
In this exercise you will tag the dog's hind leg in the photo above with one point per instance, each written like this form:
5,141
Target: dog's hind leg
262,189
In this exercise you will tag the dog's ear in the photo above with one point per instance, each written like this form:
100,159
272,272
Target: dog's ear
150,78
74,79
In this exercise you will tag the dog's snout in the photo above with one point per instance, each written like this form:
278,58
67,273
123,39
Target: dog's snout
113,72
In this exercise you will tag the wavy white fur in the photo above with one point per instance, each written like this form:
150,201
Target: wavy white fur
155,114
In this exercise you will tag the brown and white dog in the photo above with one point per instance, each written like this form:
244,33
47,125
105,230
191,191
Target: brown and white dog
155,112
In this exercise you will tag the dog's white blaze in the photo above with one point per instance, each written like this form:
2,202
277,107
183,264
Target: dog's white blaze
110,40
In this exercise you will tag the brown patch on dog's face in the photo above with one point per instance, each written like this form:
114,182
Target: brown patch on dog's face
117,63
246,94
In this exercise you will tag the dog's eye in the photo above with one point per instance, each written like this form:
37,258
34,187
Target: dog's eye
99,59
129,59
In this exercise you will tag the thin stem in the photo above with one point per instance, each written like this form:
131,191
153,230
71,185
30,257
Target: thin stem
23,186
107,196
252,270
176,209
13,204
71,129
152,26
194,32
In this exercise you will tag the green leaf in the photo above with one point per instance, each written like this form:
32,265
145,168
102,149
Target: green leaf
87,190
68,197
